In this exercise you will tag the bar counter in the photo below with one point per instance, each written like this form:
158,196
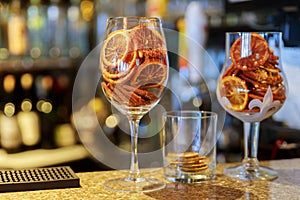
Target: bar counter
287,186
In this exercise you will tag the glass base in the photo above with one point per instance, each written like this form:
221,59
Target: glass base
190,179
261,173
141,185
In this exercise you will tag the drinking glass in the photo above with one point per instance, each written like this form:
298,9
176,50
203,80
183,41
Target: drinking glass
189,146
134,67
252,87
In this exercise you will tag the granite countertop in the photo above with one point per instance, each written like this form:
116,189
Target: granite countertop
287,186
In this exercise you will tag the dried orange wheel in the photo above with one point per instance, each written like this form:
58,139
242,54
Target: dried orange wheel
236,91
258,56
147,38
150,73
117,55
115,47
122,71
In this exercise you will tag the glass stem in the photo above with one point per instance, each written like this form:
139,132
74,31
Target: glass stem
251,135
134,174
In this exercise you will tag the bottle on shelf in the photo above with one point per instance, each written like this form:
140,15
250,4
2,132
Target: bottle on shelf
3,31
37,29
64,132
9,130
29,124
17,30
27,117
57,23
78,35
101,16
44,105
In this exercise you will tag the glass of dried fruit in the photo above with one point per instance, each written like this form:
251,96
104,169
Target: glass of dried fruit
134,67
252,87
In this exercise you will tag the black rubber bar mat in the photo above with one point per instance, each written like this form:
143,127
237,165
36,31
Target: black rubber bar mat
38,179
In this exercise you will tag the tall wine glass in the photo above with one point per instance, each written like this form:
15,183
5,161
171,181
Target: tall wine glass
252,87
134,67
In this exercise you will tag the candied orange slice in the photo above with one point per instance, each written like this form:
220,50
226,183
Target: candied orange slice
236,91
258,56
150,74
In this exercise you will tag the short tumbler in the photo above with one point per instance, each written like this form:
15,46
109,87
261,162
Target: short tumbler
189,146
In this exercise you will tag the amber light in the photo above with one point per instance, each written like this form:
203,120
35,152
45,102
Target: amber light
9,83
87,10
26,81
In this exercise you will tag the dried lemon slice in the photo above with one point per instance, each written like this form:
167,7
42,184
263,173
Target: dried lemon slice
235,90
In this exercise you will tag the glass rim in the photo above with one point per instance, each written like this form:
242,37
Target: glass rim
190,114
258,32
144,18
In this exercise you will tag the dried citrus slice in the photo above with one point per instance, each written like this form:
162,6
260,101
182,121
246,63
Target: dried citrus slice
115,47
150,74
145,38
235,90
117,55
122,71
258,54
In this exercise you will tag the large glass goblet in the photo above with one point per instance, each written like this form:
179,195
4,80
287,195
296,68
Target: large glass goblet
252,87
134,67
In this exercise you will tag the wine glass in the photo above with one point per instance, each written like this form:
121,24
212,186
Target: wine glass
252,87
134,67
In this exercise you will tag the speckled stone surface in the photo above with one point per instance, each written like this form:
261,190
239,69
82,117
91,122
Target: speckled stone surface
287,186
